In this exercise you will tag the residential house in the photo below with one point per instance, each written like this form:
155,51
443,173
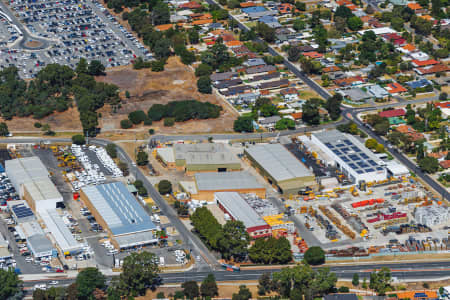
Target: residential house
269,122
223,76
254,62
408,130
355,95
349,81
445,164
440,68
289,94
313,54
418,83
274,84
395,89
423,63
377,92
270,21
400,112
190,5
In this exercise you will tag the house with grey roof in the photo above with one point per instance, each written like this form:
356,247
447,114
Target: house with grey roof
356,95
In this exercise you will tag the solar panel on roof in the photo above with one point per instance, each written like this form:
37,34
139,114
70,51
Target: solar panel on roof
353,166
337,152
356,149
345,150
379,168
354,157
348,142
340,145
363,155
359,171
345,159
369,170
329,145
372,162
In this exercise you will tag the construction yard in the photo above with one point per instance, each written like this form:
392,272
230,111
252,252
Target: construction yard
146,88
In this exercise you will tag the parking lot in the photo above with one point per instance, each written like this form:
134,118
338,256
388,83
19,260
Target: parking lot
73,30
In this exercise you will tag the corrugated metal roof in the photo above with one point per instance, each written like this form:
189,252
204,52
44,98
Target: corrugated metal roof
206,153
31,228
278,162
119,208
42,189
239,209
135,239
226,181
55,225
39,243
167,154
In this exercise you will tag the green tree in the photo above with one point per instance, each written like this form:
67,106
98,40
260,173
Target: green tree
126,124
190,289
299,24
164,187
234,241
428,164
315,256
207,227
355,279
111,149
139,273
209,288
123,167
302,280
379,148
371,143
193,35
87,281
96,68
380,281
78,139
11,284
264,284
270,251
294,54
266,32
4,131
343,12
142,158
333,106
443,96
161,13
168,122
243,294
311,114
243,124
284,124
204,85
354,23
162,48
137,117
203,70
436,6
157,112
82,66
397,23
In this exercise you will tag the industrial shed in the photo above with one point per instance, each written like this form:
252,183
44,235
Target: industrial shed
243,182
281,168
31,179
206,157
350,156
59,230
118,211
235,206
37,241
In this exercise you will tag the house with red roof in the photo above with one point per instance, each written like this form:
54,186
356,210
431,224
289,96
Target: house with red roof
445,164
312,54
286,8
395,88
439,68
190,5
411,132
400,112
443,104
247,4
423,63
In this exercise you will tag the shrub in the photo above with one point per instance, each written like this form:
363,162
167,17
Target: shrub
315,256
111,149
137,117
126,124
78,139
148,122
164,187
343,289
169,122
37,125
204,85
151,131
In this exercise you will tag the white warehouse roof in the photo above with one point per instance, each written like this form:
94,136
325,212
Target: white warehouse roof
278,162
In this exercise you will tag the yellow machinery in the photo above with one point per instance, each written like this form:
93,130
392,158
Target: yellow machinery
369,192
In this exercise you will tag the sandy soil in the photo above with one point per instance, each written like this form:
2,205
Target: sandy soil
68,120
146,88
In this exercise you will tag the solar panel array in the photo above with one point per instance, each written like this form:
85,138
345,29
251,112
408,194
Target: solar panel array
21,211
353,156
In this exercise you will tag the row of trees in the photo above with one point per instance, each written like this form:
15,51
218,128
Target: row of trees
184,110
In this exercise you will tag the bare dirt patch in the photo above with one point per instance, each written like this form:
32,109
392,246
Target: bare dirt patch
146,88
68,120
33,44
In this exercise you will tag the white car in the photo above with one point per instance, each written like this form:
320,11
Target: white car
54,282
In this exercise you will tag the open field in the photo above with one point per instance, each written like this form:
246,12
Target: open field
146,88
68,120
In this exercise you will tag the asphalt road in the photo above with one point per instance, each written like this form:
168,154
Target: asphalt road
26,36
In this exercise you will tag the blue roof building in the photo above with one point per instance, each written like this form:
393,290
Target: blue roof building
253,9
418,83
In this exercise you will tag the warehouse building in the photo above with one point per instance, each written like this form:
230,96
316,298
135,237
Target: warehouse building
63,237
118,211
206,157
20,211
31,179
206,184
346,153
281,168
37,241
235,206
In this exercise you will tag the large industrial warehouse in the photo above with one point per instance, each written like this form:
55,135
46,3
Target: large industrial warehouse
350,156
281,168
118,211
207,157
31,179
238,209
206,184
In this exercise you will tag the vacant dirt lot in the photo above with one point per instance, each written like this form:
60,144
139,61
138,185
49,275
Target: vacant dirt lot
146,88
59,121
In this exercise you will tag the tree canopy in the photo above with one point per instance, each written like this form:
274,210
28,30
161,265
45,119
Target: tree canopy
87,281
11,284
